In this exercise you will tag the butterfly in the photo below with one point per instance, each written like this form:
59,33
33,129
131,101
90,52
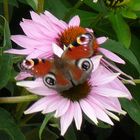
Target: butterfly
72,68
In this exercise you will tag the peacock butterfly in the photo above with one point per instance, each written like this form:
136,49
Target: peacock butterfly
73,67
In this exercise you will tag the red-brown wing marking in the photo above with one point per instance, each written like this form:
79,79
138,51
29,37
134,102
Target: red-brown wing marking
76,53
42,68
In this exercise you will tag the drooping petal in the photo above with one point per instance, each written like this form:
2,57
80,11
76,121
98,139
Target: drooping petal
37,106
75,21
62,107
52,104
117,84
77,115
112,115
103,78
108,92
88,110
111,56
107,64
109,103
66,119
100,112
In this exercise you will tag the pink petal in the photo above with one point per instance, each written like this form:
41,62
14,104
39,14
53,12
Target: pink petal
101,40
100,113
42,91
108,92
38,19
114,68
23,75
66,119
77,115
57,50
88,110
109,103
111,56
62,107
117,84
75,21
31,84
54,20
103,78
35,30
37,53
96,61
27,42
37,106
20,51
112,115
52,104
89,30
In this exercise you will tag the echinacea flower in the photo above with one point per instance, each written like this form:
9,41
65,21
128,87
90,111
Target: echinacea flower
41,31
97,98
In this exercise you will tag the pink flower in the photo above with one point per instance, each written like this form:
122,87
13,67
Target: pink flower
44,30
97,98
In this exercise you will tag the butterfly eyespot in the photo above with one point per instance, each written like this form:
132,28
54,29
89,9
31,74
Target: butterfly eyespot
84,39
28,64
49,80
85,64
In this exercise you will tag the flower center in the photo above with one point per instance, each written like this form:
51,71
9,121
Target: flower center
69,35
78,92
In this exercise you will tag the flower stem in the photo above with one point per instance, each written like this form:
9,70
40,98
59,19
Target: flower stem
40,7
18,99
72,10
6,9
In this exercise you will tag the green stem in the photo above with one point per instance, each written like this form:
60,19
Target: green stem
18,99
40,7
72,10
6,9
136,81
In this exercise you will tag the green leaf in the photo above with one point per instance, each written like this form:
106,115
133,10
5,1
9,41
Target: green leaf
133,109
134,5
5,59
119,49
70,134
46,120
137,132
8,127
11,2
129,14
57,7
121,29
32,3
95,6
